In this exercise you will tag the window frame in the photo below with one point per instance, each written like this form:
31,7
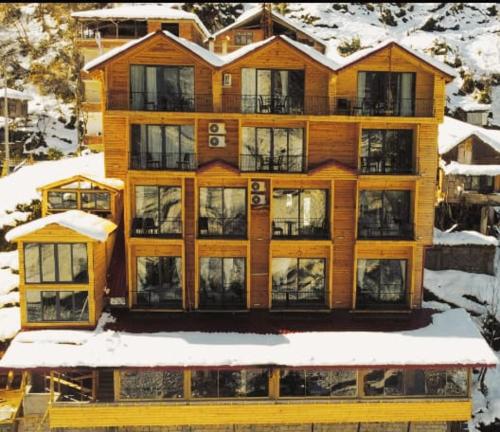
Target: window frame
247,36
58,319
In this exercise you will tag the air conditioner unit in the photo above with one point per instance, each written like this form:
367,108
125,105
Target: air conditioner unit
216,141
258,186
258,199
217,128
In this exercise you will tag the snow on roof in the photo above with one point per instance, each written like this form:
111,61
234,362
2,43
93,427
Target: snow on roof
451,340
456,168
142,11
10,322
472,105
452,132
86,224
358,55
463,238
14,94
257,10
113,183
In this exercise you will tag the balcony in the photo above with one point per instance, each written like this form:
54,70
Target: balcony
159,298
282,164
159,102
386,296
288,228
221,227
230,295
385,165
283,297
163,161
403,231
154,227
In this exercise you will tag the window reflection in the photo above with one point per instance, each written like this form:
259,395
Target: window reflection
57,305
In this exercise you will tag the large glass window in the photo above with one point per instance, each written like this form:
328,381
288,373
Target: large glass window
223,212
62,200
162,88
388,151
272,91
222,283
156,147
318,383
55,262
481,184
387,93
300,213
385,214
57,305
159,282
157,211
95,201
151,385
381,283
299,282
273,149
245,383
114,30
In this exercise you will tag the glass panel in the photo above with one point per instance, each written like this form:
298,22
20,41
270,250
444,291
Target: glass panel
234,211
48,263
204,384
311,280
186,82
32,263
292,383
211,281
81,311
64,262
49,306
171,287
146,201
318,383
234,280
172,143
248,91
285,212
187,140
456,382
34,305
170,210
414,382
392,288
80,266
148,275
65,306
384,383
211,211
55,200
102,201
137,87
151,385
344,383
435,383
88,200
256,382
295,150
285,277
231,384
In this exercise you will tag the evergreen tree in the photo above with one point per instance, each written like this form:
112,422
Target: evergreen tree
215,15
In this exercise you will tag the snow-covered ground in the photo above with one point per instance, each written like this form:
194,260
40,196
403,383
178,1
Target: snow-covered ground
10,320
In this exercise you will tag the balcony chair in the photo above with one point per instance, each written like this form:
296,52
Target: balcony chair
344,106
265,107
185,163
149,226
203,225
152,163
137,225
278,231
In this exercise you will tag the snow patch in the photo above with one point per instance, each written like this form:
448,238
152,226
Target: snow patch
10,323
463,238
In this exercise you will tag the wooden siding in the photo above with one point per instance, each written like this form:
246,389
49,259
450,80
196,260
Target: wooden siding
336,141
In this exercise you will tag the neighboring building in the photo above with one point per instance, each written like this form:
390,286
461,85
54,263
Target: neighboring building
474,113
17,103
267,275
469,177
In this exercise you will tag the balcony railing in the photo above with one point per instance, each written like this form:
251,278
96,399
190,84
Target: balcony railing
284,297
283,163
388,296
158,298
316,228
225,296
384,165
222,227
163,161
158,101
404,231
154,227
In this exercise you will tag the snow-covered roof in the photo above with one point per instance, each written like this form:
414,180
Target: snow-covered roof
86,224
451,340
452,132
457,168
256,11
142,12
112,183
358,55
463,238
14,94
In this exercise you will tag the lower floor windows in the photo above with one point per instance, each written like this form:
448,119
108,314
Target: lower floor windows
245,383
381,283
151,384
318,383
46,306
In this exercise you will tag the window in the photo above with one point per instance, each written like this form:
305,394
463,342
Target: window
223,212
381,283
273,149
387,93
157,147
482,184
243,38
272,91
55,262
222,283
157,211
151,385
300,213
385,214
171,27
162,88
386,151
112,30
159,282
49,306
299,282
95,201
318,383
246,383
62,200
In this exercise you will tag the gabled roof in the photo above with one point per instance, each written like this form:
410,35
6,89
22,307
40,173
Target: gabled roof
86,224
207,56
216,166
452,132
256,11
332,164
107,183
142,12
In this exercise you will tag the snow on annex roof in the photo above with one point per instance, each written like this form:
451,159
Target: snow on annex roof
457,168
113,183
84,223
452,132
14,94
451,340
463,238
142,11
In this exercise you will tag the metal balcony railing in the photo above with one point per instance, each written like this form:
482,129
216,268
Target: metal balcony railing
179,161
396,231
386,295
147,226
224,296
159,101
316,228
169,298
385,165
284,297
222,227
263,163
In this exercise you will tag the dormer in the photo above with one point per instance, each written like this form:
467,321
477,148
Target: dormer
260,23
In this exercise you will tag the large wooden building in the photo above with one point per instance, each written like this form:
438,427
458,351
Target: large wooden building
276,209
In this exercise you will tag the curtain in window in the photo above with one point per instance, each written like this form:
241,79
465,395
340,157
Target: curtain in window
137,87
151,88
248,90
406,94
